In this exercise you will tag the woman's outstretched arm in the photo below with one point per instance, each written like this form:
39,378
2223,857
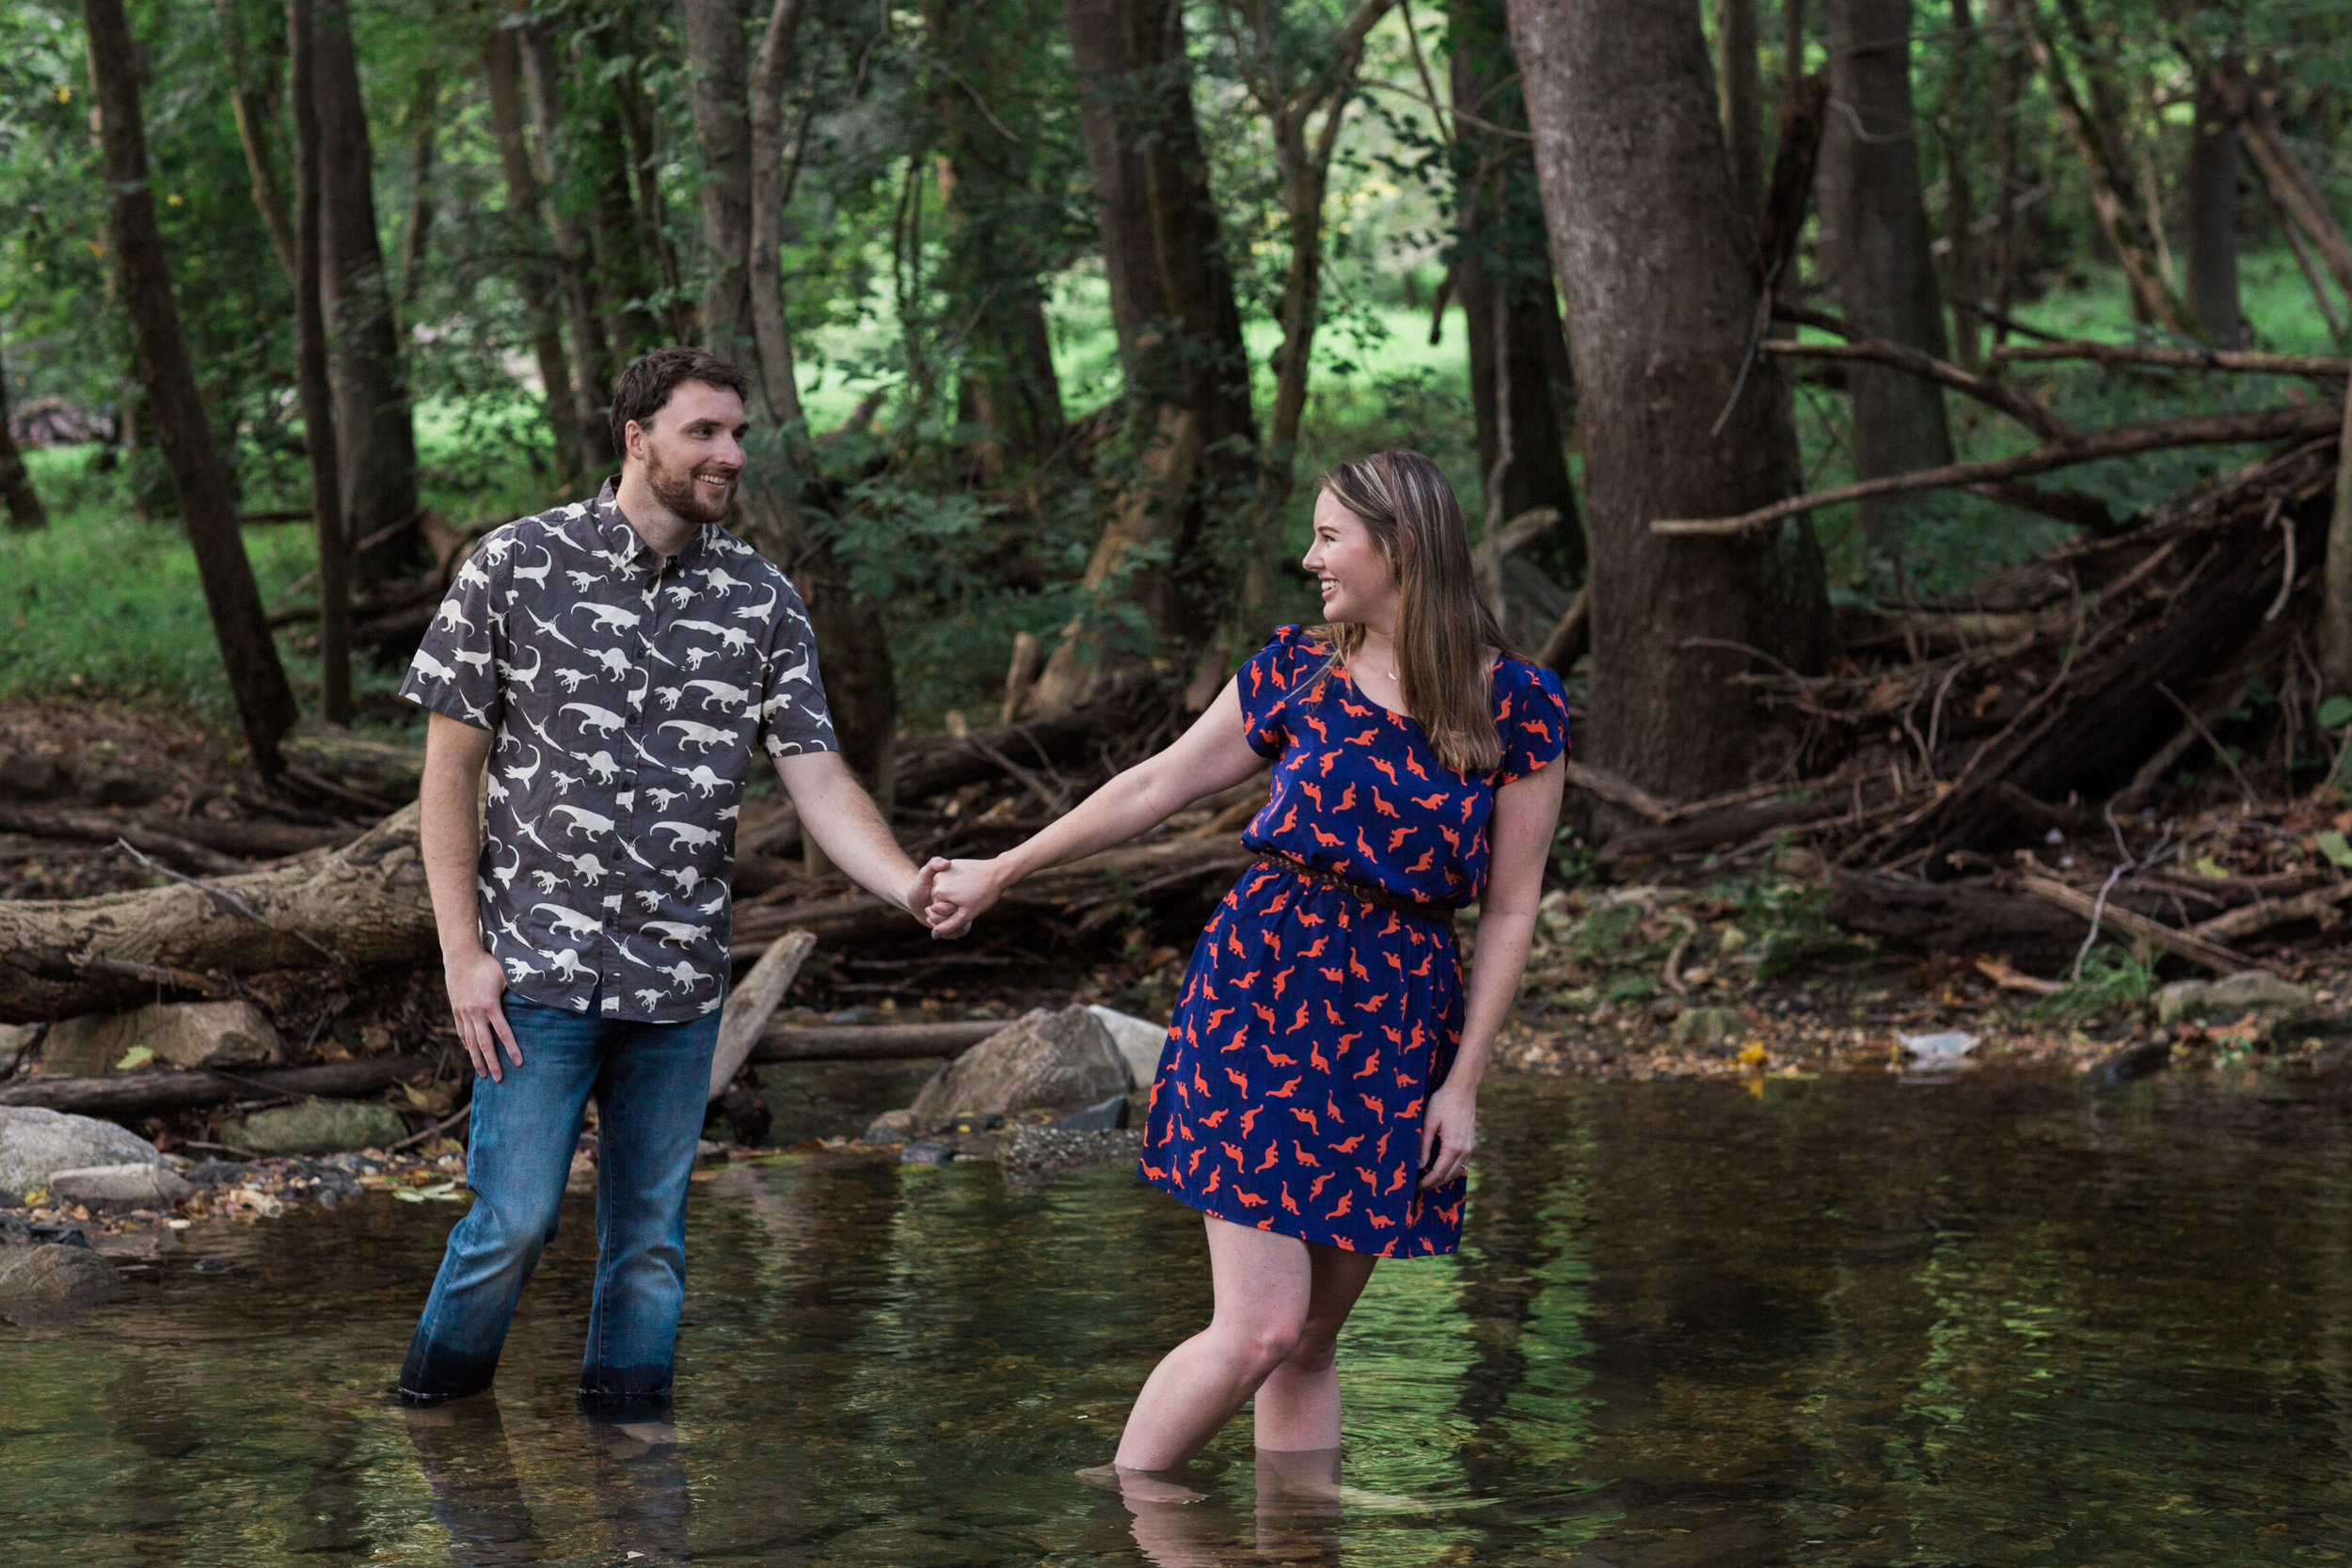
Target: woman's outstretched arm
1214,755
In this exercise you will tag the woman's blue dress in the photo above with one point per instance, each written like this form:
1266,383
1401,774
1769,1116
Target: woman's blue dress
1313,1025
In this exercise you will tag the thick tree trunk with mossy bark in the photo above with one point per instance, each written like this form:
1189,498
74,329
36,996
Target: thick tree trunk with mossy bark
362,906
1662,300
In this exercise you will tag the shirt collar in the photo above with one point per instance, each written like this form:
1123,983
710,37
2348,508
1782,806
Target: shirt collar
622,540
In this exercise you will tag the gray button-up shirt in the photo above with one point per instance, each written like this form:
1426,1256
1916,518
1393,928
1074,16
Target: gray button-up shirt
629,694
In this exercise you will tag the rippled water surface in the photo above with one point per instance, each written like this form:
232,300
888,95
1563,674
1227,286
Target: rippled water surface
1854,1320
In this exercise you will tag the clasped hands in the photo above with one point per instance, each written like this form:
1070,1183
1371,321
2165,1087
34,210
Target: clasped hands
950,895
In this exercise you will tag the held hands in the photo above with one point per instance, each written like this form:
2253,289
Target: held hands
1448,1134
475,984
959,892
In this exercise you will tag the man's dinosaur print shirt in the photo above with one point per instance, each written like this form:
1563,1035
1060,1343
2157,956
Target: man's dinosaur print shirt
629,695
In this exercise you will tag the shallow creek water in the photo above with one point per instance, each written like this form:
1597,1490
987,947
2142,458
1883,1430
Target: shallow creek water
2002,1319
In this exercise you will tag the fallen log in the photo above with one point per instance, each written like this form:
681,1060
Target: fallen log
869,1042
2184,943
2323,366
1730,824
929,768
92,827
2092,734
2262,916
364,904
1963,919
750,1003
126,1096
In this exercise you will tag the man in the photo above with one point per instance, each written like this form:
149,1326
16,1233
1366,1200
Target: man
616,664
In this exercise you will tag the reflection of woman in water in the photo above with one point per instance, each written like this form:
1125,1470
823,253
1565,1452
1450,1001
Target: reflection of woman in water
1317,1096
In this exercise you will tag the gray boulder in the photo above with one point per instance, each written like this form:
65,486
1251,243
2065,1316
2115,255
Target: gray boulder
16,1042
1138,1040
1708,1028
2232,996
120,1186
316,1127
35,1142
1043,1058
39,1284
891,1127
185,1035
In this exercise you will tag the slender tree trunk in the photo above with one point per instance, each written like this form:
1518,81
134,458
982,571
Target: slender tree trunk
2335,611
1199,463
2211,199
373,417
1662,295
2289,184
1959,204
1499,245
424,114
994,216
2096,133
652,210
25,512
1886,269
1740,78
593,370
2010,62
738,122
265,702
501,74
623,271
311,376
1100,56
253,106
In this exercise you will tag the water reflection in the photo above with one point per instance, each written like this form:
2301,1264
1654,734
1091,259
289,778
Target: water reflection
1996,1320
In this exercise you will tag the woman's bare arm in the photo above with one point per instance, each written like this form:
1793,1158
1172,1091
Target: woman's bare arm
1212,754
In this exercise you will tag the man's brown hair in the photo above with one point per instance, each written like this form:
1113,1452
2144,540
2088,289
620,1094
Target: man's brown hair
646,385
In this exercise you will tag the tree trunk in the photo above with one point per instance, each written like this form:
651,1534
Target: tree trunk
1886,269
739,119
1501,236
501,74
1200,456
2009,85
2335,609
373,417
2212,209
362,906
1663,298
310,374
1100,56
593,370
424,114
994,215
1740,80
1959,201
17,493
265,702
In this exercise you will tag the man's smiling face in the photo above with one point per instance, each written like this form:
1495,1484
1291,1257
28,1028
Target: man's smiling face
692,450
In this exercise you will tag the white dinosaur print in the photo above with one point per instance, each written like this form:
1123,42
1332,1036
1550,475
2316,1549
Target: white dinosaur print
602,721
701,736
582,821
677,931
568,920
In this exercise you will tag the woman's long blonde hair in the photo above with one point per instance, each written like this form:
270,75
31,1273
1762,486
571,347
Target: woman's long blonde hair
1444,630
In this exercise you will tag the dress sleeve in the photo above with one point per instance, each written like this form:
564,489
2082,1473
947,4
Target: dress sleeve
1534,725
1266,684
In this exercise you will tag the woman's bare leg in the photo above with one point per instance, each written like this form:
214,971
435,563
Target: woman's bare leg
1264,1291
1297,1406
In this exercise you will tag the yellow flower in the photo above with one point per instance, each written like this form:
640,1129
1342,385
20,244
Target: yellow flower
1755,1055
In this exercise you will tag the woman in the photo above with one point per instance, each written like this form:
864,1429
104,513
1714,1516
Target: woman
1318,1095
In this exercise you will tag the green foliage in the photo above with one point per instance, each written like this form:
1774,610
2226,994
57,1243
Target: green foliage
2112,981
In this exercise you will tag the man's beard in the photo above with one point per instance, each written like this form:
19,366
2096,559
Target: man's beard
681,491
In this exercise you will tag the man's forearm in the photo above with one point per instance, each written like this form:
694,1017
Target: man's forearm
449,840
836,812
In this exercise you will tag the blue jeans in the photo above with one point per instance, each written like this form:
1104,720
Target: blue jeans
651,1081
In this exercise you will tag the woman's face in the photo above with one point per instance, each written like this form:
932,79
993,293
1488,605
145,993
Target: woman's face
1357,583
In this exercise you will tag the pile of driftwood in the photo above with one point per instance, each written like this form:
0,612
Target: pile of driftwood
2124,737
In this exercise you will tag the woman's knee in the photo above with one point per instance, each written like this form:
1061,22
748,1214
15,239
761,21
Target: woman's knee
1315,1348
1261,1344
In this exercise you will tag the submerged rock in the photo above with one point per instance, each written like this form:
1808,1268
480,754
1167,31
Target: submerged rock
185,1034
2234,996
316,1127
1708,1028
44,1283
1041,1059
120,1186
33,1142
1108,1116
891,1127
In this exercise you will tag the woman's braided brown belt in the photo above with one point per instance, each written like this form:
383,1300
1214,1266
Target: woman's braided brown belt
1437,914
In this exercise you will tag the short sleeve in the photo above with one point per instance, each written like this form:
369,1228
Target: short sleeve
1535,723
1266,684
794,717
455,671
